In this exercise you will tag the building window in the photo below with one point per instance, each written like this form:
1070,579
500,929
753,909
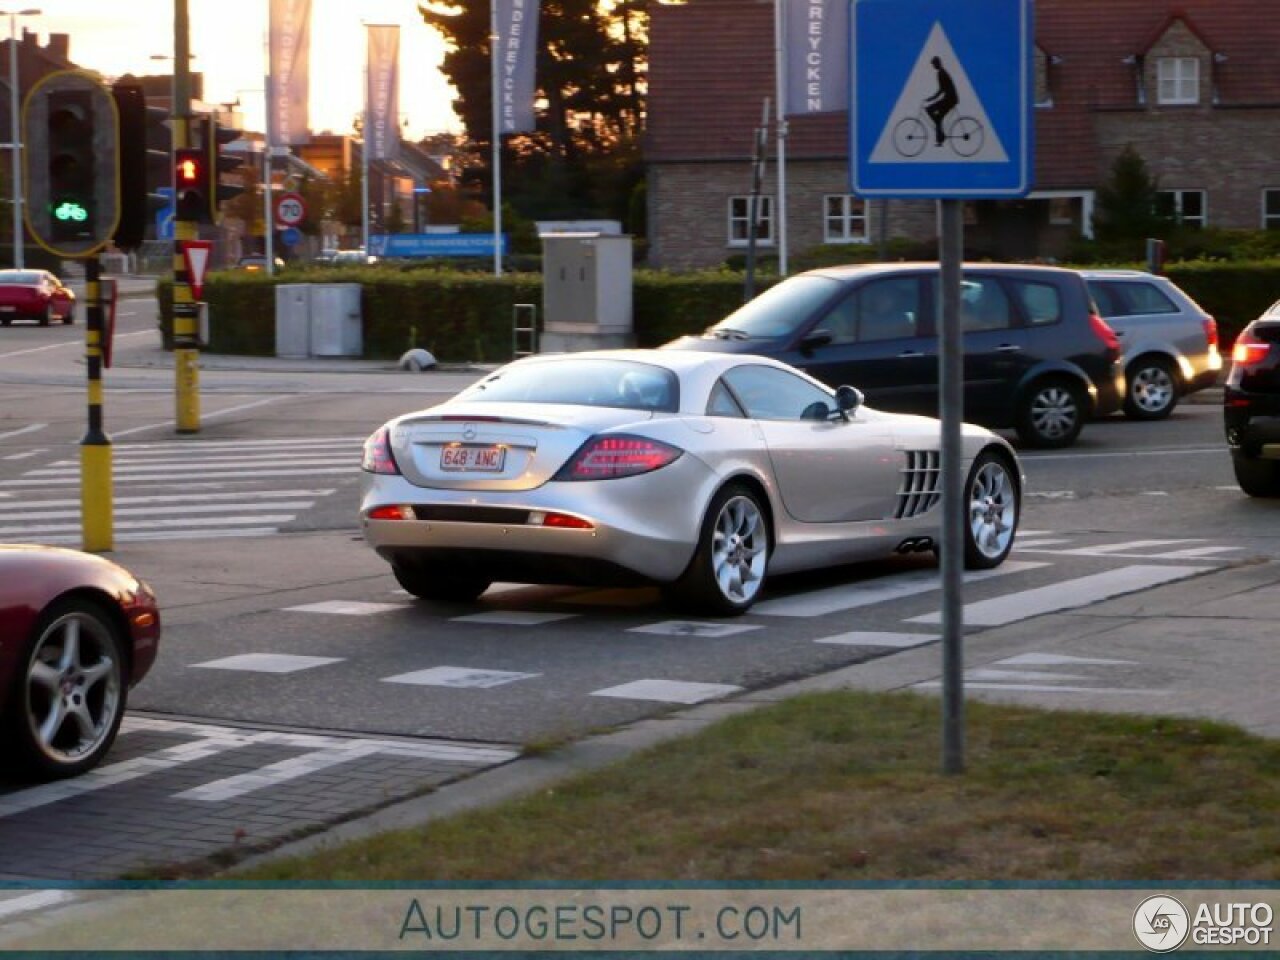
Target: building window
1186,207
740,220
1271,209
1178,80
844,219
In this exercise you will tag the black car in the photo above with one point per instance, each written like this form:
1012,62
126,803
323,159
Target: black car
1038,358
1251,406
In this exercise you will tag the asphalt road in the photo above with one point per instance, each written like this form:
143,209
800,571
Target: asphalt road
297,685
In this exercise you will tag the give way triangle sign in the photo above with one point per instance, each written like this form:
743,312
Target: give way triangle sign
196,254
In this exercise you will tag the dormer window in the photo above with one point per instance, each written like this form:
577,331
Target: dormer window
1178,80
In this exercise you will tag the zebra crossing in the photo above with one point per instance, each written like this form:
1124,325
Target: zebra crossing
189,490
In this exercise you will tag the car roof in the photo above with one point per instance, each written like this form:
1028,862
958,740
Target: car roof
853,270
1118,274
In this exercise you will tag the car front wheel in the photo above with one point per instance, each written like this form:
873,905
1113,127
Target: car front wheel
1052,414
428,584
991,498
47,317
71,690
728,568
1153,391
1257,478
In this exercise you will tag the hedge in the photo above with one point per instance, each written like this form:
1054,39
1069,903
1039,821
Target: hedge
467,317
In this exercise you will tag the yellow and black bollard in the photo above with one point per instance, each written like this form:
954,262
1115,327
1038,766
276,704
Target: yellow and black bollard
186,342
96,520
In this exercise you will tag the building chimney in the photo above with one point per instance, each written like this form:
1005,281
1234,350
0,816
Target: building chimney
59,47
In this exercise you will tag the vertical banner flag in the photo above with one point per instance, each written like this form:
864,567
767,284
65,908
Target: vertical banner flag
289,51
816,55
515,53
382,96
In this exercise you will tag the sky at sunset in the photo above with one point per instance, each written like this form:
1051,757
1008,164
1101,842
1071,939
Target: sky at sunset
228,38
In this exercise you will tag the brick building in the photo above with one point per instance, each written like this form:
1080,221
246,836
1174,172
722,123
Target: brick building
1192,85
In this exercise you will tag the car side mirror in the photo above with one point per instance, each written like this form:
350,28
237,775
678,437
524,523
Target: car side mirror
848,399
817,338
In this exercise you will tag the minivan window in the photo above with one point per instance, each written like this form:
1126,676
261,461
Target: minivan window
1123,299
984,305
1041,302
779,311
888,309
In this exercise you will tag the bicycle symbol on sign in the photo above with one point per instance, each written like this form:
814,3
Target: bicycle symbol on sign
964,135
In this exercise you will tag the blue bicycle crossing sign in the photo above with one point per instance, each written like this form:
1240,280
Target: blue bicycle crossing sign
942,99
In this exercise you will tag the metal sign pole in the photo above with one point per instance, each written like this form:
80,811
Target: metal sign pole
951,402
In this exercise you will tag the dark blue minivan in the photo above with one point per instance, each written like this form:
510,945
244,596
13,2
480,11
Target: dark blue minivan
1038,358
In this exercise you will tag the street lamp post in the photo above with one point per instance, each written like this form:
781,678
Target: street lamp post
15,135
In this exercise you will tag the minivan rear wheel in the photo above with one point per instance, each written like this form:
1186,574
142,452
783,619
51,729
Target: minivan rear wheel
1051,414
1257,478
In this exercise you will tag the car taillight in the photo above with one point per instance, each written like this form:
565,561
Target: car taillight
396,511
1104,331
1249,350
377,453
606,458
1211,331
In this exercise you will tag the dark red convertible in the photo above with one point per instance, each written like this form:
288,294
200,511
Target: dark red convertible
76,632
35,295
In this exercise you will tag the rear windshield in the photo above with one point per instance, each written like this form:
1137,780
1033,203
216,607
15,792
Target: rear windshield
19,276
779,311
581,382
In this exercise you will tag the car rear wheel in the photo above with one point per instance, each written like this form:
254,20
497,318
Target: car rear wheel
1153,390
69,317
1052,414
427,583
1257,478
71,690
991,496
728,568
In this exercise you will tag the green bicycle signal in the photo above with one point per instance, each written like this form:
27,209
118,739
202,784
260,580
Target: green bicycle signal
69,210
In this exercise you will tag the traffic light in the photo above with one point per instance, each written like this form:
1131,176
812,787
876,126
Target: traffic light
131,107
71,162
223,161
191,184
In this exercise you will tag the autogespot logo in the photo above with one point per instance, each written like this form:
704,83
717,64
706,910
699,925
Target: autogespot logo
1161,923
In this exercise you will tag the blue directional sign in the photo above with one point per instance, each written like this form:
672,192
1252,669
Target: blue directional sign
942,99
434,244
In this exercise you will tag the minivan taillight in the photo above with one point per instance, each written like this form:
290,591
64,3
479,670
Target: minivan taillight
378,457
1104,331
618,455
1249,350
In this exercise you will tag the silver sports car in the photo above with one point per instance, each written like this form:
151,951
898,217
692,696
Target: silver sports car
700,472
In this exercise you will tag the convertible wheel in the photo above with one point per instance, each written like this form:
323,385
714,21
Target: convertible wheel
728,569
1052,415
427,584
70,317
1153,391
991,495
71,690
46,318
1257,478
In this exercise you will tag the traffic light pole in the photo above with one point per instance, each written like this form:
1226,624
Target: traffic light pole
186,347
96,514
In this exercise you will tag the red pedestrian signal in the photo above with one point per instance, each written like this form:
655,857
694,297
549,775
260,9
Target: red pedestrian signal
191,181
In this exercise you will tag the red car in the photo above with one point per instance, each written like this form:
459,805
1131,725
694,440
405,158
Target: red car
76,632
35,295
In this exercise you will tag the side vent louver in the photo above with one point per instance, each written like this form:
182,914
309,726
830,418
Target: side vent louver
920,479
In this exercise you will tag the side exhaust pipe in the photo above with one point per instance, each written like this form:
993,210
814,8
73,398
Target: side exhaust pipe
914,545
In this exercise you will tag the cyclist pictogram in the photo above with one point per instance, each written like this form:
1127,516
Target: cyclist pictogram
963,134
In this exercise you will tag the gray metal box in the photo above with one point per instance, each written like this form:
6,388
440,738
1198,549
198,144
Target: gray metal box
336,329
293,320
586,281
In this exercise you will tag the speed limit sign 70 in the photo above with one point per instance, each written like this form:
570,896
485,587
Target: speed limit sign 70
291,210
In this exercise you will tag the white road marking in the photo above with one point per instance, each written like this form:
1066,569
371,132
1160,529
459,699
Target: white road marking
346,608
246,496
183,509
459,677
25,455
513,618
1066,594
668,691
127,525
30,428
31,902
818,603
877,638
228,788
1021,544
72,478
689,628
1045,688
1127,547
206,416
1058,659
1164,452
985,673
62,539
183,446
267,663
1192,553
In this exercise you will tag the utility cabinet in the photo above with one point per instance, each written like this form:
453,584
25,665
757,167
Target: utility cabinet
318,320
586,291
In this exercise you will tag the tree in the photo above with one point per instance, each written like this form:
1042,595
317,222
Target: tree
1127,203
584,158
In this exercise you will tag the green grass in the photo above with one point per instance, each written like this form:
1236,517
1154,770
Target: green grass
847,786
